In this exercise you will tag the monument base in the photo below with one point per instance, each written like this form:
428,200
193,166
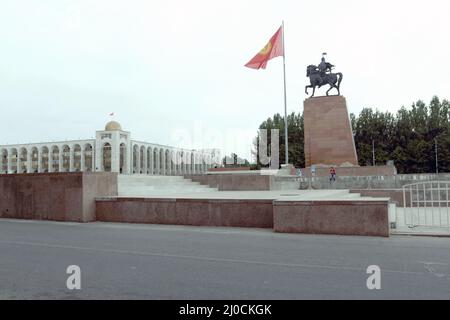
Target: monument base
328,133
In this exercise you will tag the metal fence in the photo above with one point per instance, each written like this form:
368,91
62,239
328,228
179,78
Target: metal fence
426,204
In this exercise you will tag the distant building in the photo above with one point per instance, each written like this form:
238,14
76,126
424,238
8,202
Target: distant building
112,150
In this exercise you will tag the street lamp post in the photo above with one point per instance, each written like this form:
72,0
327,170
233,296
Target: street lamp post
436,152
373,152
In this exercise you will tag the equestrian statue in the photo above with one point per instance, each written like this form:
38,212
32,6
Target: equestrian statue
322,75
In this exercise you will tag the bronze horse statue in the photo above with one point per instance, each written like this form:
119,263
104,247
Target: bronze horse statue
319,79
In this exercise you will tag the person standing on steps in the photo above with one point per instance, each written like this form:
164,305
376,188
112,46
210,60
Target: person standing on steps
332,175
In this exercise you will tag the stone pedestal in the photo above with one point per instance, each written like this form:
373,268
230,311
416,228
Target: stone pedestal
328,132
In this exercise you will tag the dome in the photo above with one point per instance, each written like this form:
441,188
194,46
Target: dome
113,126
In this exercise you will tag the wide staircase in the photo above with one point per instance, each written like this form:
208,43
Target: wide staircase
149,186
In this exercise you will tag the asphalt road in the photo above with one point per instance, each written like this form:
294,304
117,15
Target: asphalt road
123,261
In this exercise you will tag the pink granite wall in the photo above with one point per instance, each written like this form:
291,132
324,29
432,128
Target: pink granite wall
396,195
353,171
54,196
195,212
99,184
363,218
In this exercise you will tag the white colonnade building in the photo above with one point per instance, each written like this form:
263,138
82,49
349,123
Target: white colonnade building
112,150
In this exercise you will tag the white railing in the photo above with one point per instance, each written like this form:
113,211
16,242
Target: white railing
426,204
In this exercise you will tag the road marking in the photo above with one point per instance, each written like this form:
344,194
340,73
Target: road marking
208,259
430,267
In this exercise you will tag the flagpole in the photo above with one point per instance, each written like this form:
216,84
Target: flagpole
285,102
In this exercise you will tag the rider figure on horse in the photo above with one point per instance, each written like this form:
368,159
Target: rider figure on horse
324,67
322,75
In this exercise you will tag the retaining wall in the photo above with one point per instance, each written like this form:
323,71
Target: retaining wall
396,195
362,218
54,196
353,171
345,217
370,182
196,212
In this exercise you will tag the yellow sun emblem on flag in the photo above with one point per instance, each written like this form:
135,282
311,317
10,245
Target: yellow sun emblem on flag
266,49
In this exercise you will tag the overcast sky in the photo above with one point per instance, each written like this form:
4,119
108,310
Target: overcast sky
173,71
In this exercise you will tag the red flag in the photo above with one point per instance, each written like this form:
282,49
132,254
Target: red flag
274,48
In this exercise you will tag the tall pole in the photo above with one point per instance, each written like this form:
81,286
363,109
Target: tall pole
373,152
285,102
436,151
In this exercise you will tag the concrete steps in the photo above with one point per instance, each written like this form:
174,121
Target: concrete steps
150,186
153,186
